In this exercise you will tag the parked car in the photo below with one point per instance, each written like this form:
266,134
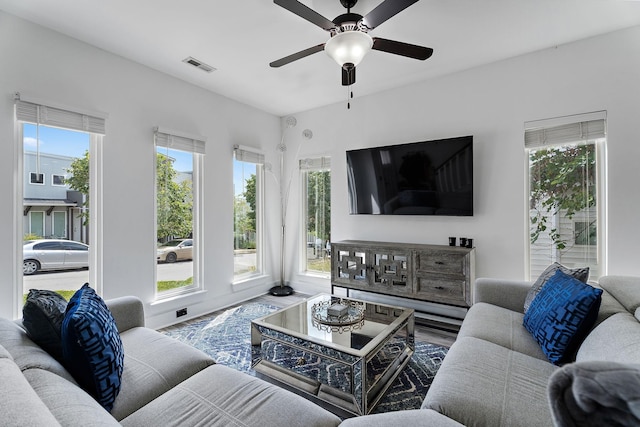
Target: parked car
53,254
175,250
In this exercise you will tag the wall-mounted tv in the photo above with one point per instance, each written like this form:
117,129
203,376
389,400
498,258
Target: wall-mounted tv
419,178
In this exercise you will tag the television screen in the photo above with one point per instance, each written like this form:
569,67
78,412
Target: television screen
420,178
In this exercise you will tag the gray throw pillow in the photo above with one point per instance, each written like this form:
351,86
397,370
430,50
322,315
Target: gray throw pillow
581,274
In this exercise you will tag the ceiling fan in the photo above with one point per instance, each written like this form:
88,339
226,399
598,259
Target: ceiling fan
350,41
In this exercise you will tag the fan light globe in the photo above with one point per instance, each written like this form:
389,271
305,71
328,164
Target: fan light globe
349,47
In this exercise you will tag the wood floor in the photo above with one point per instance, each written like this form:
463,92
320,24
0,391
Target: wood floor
423,333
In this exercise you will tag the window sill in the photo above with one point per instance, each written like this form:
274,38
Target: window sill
250,282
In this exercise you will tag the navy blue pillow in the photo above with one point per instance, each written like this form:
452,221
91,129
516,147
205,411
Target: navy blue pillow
561,316
91,346
42,317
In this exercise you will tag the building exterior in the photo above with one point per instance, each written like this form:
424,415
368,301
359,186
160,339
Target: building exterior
51,209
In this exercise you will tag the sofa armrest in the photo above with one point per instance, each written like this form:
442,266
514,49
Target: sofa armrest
504,293
128,312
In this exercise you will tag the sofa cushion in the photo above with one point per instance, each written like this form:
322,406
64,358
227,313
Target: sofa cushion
20,404
408,418
42,317
221,396
500,326
481,383
561,315
153,364
92,347
69,404
617,339
25,352
581,274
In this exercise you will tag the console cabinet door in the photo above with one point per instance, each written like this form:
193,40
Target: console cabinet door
349,266
391,271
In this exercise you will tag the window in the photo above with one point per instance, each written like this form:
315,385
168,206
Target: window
316,214
36,178
566,193
36,224
57,142
178,201
59,220
248,173
57,180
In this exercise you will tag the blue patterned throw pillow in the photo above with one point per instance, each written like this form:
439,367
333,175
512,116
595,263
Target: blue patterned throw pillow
91,346
561,316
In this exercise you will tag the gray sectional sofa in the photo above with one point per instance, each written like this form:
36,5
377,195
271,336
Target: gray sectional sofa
495,373
164,383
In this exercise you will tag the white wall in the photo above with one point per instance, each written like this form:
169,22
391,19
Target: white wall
47,65
492,103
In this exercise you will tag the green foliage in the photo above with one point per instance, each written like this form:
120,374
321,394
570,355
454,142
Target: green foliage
167,285
250,197
31,236
319,204
79,181
244,209
563,181
174,201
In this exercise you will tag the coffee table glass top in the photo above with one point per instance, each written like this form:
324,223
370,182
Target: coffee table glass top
374,324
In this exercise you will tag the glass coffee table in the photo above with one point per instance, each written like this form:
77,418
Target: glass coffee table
341,352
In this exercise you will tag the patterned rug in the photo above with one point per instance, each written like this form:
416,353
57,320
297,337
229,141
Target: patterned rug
227,338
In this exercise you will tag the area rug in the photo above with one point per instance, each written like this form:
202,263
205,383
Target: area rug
226,337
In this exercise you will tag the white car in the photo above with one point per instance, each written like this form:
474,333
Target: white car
175,250
53,254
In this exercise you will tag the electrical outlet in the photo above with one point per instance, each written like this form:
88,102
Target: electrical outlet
181,312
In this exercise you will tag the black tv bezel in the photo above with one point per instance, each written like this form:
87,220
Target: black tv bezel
471,168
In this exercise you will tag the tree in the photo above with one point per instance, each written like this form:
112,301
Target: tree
562,182
174,201
79,181
250,196
319,204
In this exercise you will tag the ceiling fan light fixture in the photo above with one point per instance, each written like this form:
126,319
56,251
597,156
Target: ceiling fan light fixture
349,47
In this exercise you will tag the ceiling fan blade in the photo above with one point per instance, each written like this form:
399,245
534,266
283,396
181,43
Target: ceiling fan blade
400,48
384,11
303,11
298,55
348,76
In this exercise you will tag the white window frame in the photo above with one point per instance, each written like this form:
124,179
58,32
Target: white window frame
35,182
252,155
560,131
195,145
47,113
317,164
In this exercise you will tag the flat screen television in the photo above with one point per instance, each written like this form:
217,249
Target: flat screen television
419,178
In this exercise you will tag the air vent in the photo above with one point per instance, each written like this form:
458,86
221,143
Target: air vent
198,64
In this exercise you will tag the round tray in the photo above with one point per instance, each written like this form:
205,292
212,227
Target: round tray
352,320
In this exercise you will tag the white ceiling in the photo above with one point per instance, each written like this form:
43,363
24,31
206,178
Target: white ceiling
241,37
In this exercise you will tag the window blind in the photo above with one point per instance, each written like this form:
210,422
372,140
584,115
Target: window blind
179,141
32,112
565,133
245,154
319,163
